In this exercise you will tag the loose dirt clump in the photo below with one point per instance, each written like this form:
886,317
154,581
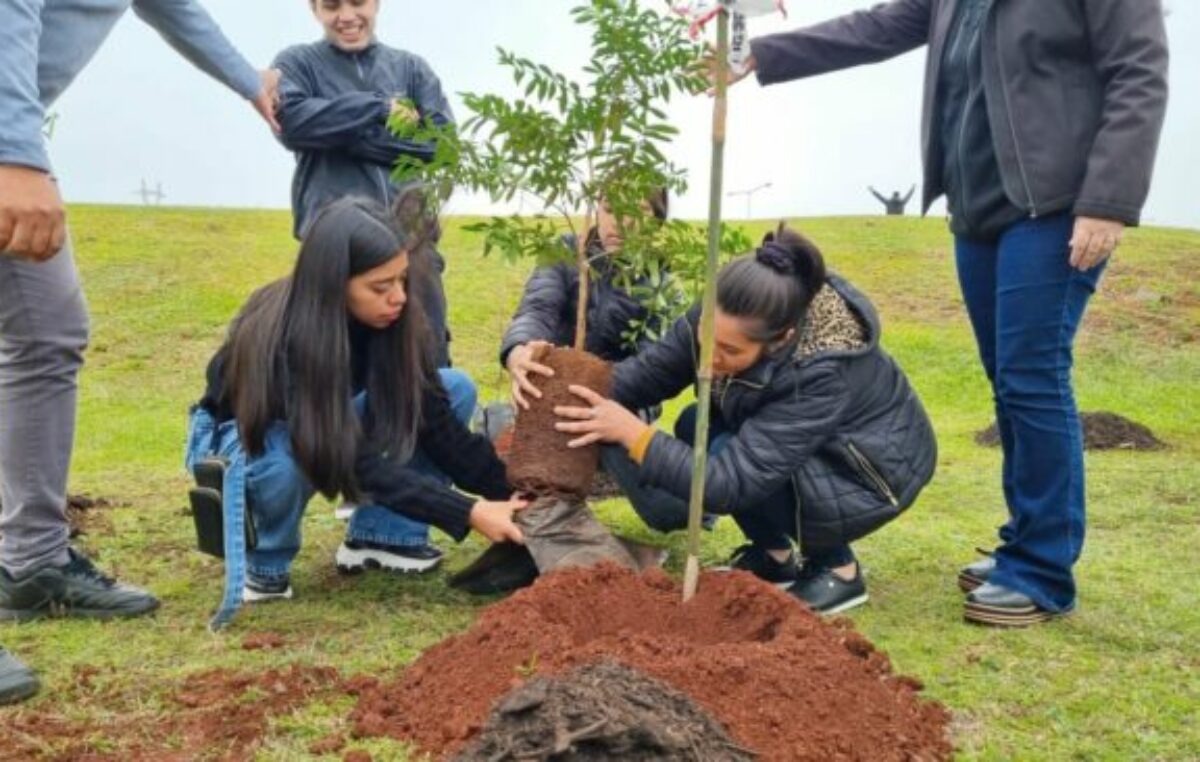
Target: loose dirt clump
212,715
786,685
263,641
539,460
602,711
1101,431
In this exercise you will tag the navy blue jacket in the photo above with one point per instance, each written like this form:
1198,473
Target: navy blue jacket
333,110
838,424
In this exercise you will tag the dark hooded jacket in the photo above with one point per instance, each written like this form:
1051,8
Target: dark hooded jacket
834,420
334,106
548,310
1075,90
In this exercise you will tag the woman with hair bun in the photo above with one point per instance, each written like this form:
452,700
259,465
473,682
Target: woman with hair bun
816,436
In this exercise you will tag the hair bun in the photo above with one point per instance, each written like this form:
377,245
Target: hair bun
778,257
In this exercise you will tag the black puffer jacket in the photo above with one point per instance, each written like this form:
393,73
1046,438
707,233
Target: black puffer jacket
551,299
836,419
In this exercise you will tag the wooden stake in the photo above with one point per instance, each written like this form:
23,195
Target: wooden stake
585,273
691,574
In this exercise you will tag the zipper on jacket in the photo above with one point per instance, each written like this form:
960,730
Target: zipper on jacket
1012,125
867,469
384,182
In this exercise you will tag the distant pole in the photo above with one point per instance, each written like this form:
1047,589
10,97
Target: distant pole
749,194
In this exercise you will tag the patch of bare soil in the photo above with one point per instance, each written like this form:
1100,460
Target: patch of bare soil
1101,431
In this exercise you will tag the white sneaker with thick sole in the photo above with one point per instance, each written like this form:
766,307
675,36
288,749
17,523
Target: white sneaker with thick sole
357,557
258,592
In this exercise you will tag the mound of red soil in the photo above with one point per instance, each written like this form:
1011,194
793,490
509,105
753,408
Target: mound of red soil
787,685
1101,431
539,460
603,711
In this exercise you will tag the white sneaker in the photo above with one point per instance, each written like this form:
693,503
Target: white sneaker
357,557
264,592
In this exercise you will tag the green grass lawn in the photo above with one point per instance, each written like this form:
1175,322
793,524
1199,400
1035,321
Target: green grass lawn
1120,679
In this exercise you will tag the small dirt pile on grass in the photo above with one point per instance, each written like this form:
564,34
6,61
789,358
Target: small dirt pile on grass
602,711
216,714
1101,431
785,684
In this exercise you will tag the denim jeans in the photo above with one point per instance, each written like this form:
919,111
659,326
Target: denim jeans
278,493
770,525
1025,303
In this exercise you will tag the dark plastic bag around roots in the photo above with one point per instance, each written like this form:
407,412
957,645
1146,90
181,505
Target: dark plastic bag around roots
561,533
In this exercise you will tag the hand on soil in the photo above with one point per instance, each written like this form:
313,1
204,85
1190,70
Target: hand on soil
604,421
494,520
33,220
522,361
1094,241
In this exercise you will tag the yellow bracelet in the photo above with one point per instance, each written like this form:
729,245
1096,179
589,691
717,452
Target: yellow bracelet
638,451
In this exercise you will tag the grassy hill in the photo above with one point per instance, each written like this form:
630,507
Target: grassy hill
1117,680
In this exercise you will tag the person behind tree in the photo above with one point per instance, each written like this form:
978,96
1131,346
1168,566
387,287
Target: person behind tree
896,204
44,44
325,384
816,436
336,97
549,306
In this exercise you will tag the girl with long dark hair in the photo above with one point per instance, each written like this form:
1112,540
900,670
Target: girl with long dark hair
326,384
816,435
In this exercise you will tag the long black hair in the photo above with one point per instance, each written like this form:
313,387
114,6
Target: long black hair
774,286
290,353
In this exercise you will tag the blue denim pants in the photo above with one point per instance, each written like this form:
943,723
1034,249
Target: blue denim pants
277,492
770,525
1025,303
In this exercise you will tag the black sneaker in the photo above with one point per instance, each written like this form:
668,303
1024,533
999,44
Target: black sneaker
76,589
756,560
355,557
827,593
17,682
265,591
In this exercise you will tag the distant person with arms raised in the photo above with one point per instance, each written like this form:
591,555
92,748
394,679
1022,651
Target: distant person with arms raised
896,204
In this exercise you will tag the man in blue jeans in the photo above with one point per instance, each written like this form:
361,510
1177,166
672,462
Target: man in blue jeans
43,318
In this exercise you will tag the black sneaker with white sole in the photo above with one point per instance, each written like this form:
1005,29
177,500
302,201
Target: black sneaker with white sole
265,591
827,593
76,589
355,557
756,560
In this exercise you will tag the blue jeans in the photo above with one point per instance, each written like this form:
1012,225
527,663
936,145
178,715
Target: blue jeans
278,493
770,525
1025,303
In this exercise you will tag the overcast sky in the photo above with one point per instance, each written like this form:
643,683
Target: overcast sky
139,111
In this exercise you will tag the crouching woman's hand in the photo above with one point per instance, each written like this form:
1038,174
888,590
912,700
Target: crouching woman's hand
603,420
494,519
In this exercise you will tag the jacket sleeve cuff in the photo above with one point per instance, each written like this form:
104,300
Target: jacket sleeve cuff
1129,215
30,154
457,520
